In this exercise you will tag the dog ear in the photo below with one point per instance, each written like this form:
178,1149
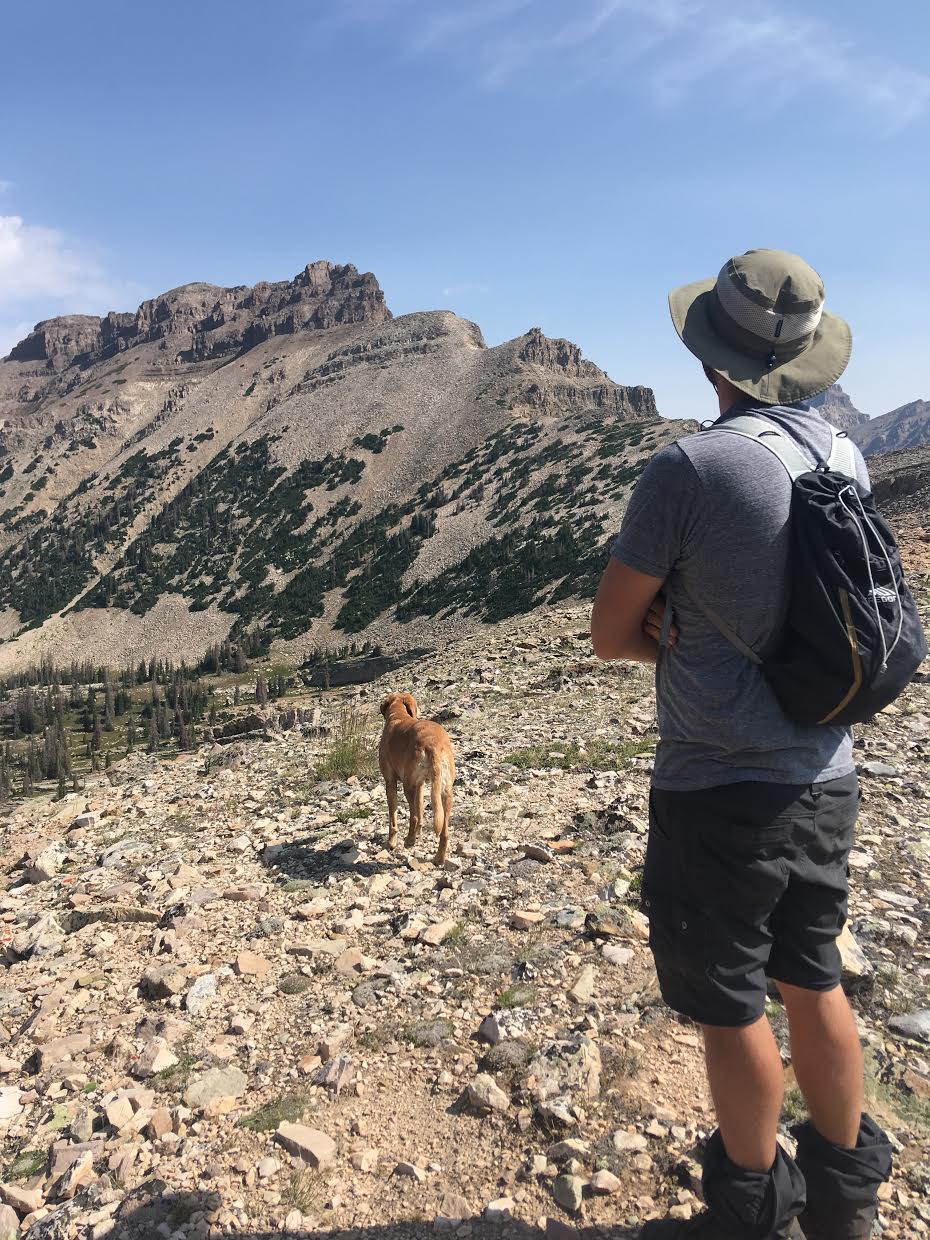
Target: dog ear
386,703
410,704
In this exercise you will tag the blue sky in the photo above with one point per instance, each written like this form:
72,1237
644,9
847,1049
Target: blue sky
559,163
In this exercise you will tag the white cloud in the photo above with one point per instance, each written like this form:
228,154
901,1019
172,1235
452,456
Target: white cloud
5,186
43,273
765,56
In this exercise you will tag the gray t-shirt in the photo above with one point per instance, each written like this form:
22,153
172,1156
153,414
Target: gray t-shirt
710,514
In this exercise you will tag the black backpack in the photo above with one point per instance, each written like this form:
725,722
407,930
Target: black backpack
852,639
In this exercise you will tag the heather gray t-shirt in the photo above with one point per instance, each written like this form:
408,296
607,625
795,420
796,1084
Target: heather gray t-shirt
710,514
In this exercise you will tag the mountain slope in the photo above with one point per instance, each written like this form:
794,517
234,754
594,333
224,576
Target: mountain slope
908,426
291,457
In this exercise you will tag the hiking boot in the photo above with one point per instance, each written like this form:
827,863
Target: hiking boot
741,1204
842,1184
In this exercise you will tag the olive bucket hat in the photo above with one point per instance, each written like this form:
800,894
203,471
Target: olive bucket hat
762,325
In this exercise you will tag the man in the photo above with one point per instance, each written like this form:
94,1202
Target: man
751,815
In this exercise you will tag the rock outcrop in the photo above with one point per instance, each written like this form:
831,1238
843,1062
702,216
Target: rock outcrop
835,405
200,321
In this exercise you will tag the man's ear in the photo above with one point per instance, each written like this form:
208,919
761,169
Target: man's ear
410,703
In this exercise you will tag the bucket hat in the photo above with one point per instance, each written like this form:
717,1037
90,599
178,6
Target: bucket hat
762,325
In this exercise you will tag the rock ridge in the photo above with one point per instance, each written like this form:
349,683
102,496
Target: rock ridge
199,321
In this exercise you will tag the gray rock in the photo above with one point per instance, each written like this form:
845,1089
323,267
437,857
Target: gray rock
453,1211
878,768
569,918
217,1083
161,981
913,1025
484,1094
490,1030
570,1066
568,1190
201,994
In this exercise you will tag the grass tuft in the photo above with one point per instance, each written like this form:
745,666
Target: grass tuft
266,1118
351,749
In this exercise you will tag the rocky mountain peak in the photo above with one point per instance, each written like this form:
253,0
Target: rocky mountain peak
199,321
836,407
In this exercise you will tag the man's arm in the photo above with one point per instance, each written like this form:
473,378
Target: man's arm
623,622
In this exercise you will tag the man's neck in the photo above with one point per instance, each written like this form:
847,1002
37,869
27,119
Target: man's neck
727,395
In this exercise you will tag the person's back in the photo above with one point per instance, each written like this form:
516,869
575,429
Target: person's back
715,507
751,817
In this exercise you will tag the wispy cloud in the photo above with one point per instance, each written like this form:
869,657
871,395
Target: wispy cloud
765,56
5,186
44,273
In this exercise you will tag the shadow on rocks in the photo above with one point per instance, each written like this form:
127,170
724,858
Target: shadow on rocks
298,860
149,1213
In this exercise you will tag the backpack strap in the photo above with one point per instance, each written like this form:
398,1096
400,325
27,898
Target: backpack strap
795,462
772,437
842,455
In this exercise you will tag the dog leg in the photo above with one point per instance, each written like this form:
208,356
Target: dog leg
412,795
421,808
390,787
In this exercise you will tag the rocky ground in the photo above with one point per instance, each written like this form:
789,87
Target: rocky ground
228,1009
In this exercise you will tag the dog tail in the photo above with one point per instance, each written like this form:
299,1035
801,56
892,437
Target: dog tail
436,797
440,793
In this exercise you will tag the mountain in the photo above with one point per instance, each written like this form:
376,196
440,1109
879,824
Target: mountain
834,405
905,427
291,458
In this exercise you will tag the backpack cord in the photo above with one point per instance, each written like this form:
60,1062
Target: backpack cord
886,650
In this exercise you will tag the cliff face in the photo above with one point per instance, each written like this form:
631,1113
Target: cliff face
834,405
291,457
199,321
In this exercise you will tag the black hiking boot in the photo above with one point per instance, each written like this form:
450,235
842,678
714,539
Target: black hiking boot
741,1204
842,1184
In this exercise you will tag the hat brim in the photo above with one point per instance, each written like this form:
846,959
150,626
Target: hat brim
796,379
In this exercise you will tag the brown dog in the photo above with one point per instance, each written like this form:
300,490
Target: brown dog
415,751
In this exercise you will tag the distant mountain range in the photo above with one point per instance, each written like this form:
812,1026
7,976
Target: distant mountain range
292,458
905,427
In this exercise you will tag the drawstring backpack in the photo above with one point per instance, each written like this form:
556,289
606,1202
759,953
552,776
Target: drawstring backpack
852,638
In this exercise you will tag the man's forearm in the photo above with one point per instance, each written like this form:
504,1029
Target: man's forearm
640,649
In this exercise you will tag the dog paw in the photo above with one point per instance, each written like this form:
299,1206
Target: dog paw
439,859
410,840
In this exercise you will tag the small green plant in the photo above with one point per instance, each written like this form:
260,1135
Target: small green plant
266,1118
351,815
295,984
516,996
304,1191
351,750
429,1033
598,755
794,1108
26,1163
299,884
